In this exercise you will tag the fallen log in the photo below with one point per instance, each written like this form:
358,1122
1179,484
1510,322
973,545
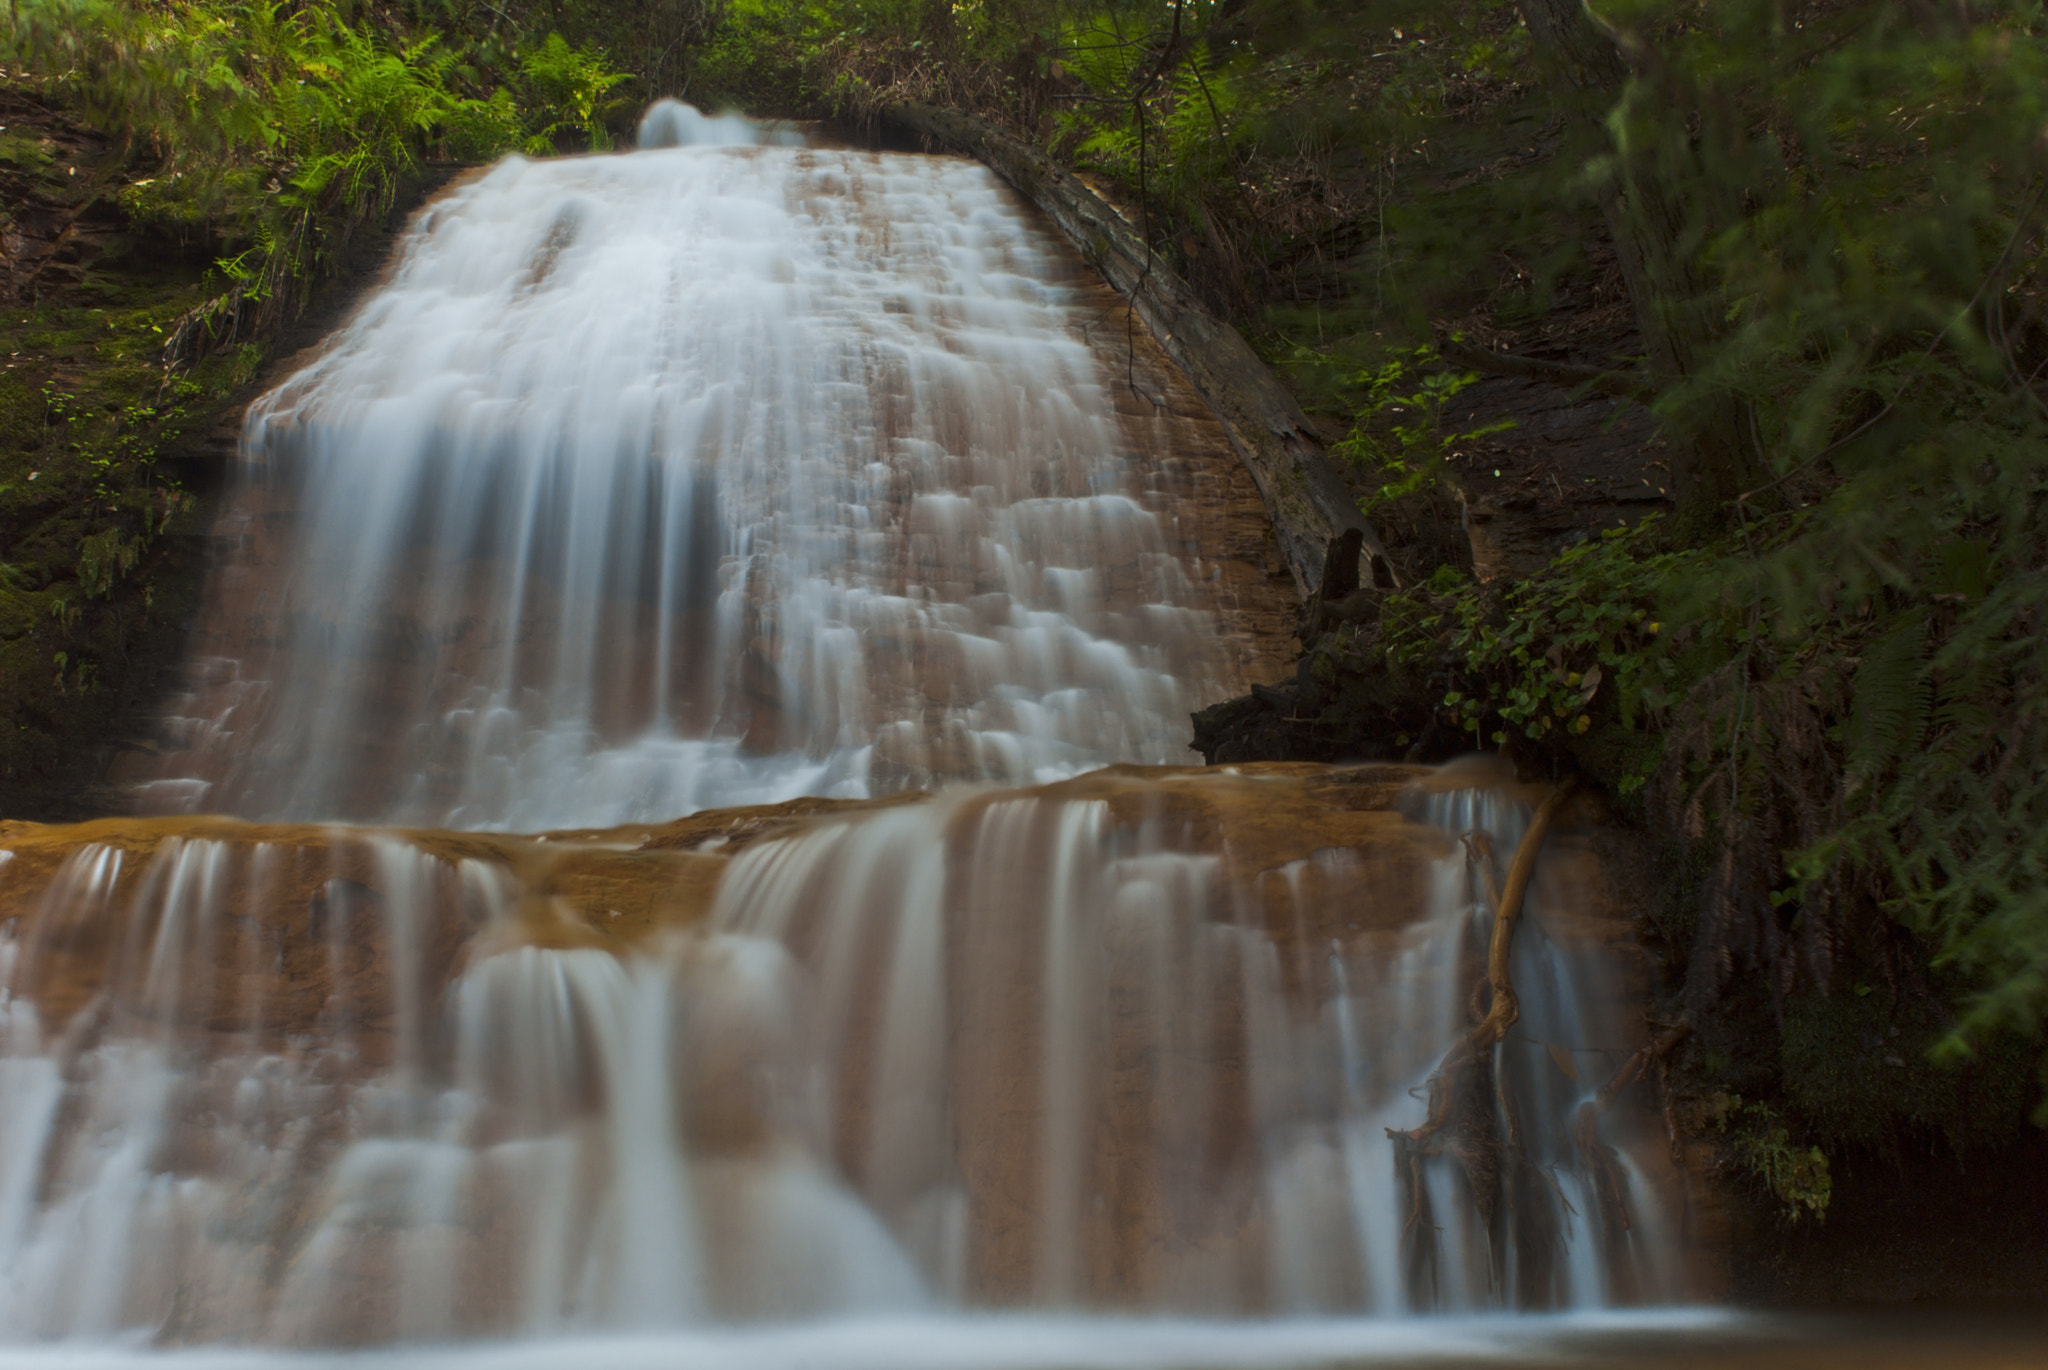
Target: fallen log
1306,500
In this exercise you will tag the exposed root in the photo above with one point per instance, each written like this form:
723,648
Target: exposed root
1479,850
1609,1190
1466,1102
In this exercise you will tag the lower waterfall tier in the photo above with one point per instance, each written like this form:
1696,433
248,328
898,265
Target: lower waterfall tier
1131,1041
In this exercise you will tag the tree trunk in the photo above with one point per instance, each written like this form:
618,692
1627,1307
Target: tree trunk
1307,501
1674,303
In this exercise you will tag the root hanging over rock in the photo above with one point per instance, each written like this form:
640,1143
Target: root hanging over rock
1470,1118
1610,1187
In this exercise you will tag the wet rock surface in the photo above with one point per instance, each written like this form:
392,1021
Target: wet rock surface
1127,1041
907,498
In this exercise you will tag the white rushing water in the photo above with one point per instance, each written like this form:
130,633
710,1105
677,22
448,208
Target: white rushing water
710,474
1633,1340
1012,1049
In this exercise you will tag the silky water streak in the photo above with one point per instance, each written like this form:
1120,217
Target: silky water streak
1132,1041
705,474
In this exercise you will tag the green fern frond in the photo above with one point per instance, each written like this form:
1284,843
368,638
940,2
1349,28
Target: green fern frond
1891,699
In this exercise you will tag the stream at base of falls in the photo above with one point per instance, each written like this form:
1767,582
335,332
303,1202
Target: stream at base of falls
693,665
1674,1340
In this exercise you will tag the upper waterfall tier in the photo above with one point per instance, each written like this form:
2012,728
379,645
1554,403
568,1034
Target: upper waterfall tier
708,475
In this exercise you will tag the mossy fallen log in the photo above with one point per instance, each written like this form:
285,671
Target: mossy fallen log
1307,501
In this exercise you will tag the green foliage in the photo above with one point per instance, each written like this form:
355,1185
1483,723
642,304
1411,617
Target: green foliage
817,56
568,86
1533,660
1401,432
1796,1176
89,501
1154,108
1845,207
105,557
1881,286
282,128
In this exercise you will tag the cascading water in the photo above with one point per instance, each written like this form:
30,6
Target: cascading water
703,475
1131,1041
720,474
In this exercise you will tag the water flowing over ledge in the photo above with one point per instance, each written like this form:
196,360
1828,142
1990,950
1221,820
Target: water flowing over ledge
709,474
1130,1041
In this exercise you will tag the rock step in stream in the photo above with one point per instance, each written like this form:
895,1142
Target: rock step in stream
1129,1041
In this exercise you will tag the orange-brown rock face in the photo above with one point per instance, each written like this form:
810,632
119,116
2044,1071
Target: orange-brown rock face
694,477
1130,1041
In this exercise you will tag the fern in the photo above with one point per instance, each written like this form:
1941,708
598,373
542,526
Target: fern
286,125
567,86
1890,701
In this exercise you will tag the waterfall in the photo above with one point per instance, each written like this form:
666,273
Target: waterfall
1133,1040
765,522
715,473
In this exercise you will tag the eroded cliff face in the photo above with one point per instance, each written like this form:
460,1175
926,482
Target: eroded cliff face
1127,1041
97,566
113,442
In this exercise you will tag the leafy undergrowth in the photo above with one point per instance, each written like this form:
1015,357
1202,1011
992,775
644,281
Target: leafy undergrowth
1807,241
277,132
180,182
1760,1147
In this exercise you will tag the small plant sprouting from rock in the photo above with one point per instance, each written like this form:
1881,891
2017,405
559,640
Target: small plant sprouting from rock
1761,1145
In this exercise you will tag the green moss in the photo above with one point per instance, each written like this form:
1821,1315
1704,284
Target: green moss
94,587
21,426
24,150
1796,1175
